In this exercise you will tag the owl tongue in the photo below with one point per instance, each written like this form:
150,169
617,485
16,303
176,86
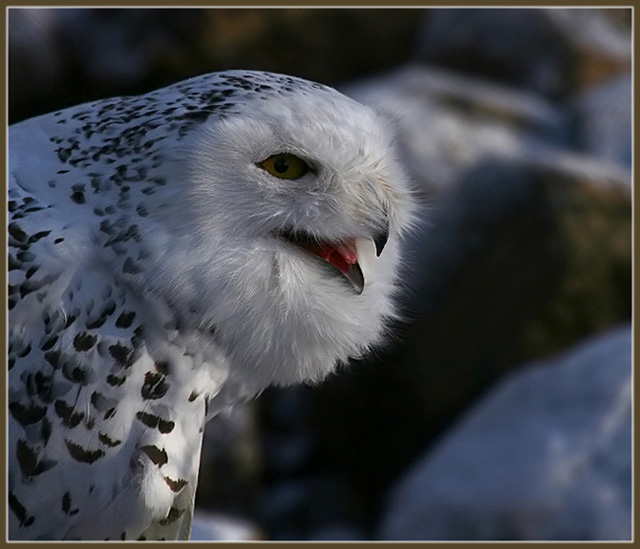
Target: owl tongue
341,256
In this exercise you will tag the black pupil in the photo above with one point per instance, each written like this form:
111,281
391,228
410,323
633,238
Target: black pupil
281,165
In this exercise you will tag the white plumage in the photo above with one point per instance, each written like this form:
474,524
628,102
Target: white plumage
169,255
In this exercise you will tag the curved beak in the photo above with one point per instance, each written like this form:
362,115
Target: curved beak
380,239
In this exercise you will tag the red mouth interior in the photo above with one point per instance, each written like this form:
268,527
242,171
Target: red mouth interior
341,256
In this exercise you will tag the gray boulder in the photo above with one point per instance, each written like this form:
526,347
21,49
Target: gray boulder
545,455
549,51
221,527
604,120
447,123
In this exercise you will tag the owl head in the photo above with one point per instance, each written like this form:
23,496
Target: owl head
291,208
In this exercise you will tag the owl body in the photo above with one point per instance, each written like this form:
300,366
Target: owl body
163,265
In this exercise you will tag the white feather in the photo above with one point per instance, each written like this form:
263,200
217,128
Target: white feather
161,292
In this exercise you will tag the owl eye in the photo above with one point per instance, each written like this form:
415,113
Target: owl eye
285,166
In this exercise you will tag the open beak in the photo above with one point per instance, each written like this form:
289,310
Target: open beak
345,257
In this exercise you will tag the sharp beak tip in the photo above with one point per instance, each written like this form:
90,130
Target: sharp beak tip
380,241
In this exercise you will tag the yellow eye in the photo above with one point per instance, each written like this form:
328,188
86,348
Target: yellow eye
285,166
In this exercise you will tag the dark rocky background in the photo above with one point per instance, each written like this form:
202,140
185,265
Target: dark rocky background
515,126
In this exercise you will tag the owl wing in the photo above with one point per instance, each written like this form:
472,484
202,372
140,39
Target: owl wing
104,433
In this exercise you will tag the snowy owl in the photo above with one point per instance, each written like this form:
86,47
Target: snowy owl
171,254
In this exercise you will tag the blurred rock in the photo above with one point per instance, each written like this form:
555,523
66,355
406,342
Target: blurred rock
95,53
549,51
448,123
285,440
520,261
116,47
34,62
232,462
599,40
545,456
87,54
218,527
327,45
305,507
338,531
513,46
604,119
301,498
